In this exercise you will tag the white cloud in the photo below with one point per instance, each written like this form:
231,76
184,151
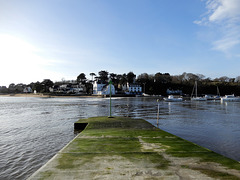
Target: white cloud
225,16
224,10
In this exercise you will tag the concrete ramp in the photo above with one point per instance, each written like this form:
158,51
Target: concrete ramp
126,148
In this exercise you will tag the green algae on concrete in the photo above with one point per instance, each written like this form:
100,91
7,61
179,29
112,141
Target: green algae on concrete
127,148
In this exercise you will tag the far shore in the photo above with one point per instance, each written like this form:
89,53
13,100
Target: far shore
59,96
42,95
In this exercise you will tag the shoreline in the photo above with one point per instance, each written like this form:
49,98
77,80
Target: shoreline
61,96
42,95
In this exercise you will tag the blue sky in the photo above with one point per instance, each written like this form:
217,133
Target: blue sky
59,39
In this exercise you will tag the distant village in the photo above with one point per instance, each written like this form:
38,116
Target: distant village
129,84
126,85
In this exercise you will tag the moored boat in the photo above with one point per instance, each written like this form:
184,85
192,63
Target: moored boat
230,98
196,98
212,97
171,98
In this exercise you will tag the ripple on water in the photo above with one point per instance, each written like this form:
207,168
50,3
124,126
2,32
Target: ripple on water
34,129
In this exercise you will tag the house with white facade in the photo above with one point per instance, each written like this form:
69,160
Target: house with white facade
134,89
79,89
69,88
102,88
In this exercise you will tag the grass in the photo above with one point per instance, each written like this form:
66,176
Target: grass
209,157
110,145
114,136
105,145
120,136
150,159
68,160
217,174
45,175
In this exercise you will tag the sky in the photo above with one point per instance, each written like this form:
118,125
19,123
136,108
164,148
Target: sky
59,39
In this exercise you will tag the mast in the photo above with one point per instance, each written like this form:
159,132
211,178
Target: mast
218,92
196,87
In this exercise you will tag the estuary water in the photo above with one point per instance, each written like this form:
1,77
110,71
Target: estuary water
32,130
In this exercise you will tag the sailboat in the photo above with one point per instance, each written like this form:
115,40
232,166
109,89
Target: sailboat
196,98
213,97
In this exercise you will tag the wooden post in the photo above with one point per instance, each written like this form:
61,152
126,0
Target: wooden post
158,112
110,110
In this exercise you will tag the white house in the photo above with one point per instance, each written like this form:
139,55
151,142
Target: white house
79,88
102,89
133,89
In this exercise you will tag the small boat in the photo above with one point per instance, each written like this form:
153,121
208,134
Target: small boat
212,97
171,98
230,98
196,98
144,94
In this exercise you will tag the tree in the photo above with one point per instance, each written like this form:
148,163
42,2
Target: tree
103,76
131,77
143,78
19,87
92,74
46,84
11,87
158,77
200,76
176,79
81,78
224,79
123,79
113,77
237,79
37,86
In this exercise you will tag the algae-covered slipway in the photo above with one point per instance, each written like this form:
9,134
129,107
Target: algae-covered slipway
126,148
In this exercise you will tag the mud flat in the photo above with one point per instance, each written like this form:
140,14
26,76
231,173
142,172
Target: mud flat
126,148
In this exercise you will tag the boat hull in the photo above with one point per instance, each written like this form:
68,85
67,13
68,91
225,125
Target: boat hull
198,99
173,100
229,98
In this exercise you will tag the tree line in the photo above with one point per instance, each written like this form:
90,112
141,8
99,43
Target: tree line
153,84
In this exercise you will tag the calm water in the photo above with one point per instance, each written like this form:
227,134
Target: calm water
33,130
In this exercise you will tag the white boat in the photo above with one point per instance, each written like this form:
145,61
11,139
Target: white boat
196,98
230,98
145,94
212,97
171,98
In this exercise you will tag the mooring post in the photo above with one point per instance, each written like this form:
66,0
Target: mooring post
110,110
158,112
